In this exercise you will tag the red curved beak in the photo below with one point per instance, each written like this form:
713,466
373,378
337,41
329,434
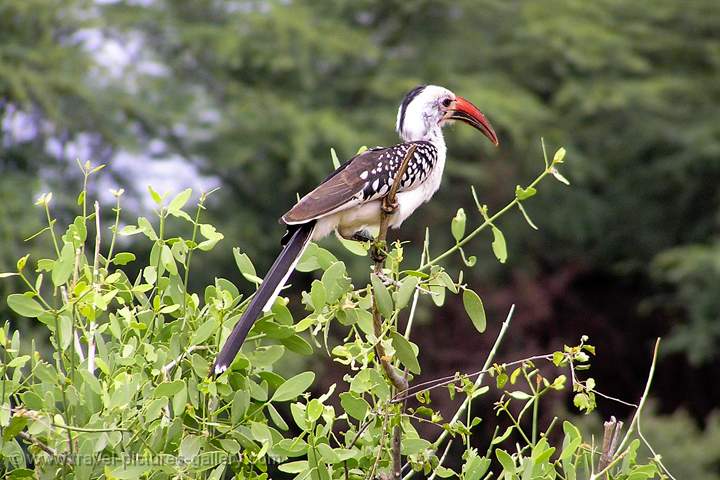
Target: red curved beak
468,113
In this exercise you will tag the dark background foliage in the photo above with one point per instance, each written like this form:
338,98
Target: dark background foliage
251,95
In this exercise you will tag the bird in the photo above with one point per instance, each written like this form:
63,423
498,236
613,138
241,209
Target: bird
349,200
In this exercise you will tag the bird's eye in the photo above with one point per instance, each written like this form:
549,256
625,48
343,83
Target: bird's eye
446,102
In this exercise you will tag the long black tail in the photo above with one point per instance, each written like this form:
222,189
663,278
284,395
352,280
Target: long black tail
266,294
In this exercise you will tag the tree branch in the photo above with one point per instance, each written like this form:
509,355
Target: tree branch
379,254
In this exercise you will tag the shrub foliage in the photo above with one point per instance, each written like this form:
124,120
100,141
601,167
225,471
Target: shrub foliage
125,391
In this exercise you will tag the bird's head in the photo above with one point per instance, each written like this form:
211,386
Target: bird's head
427,108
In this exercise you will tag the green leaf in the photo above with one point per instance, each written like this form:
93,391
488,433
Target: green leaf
354,406
146,227
335,282
559,156
506,461
524,193
559,177
317,295
458,225
276,417
438,294
527,217
405,352
314,410
245,265
406,291
21,263
127,471
63,267
18,362
212,235
16,426
444,472
370,380
297,344
293,387
24,305
177,203
123,258
582,402
354,247
167,260
20,473
32,400
190,446
502,437
475,310
411,446
240,404
155,195
335,160
381,296
475,466
327,453
168,389
294,467
204,331
520,395
498,245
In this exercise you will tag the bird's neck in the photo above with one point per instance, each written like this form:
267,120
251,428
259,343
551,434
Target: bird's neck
433,135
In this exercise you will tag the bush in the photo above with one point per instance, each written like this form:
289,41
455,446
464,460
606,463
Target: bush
126,392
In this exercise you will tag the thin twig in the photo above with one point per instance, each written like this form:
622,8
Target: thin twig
440,462
614,399
96,286
380,447
636,416
169,366
416,295
478,383
78,346
656,457
443,381
45,448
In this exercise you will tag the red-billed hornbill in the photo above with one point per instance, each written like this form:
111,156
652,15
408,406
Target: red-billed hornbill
349,200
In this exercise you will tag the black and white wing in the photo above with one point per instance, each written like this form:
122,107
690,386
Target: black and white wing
365,177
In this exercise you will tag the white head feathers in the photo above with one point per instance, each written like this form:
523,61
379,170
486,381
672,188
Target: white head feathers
420,115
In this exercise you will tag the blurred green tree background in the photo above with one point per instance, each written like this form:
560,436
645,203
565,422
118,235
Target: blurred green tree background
250,95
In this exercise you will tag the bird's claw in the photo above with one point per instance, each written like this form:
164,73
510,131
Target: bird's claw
390,207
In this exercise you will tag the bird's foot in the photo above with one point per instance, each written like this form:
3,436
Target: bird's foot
389,207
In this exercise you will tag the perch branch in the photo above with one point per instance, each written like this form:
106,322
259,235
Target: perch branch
389,205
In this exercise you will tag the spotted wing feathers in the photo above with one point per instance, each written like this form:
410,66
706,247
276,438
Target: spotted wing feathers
364,178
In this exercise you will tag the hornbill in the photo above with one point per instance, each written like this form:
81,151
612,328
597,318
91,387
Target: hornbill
349,199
